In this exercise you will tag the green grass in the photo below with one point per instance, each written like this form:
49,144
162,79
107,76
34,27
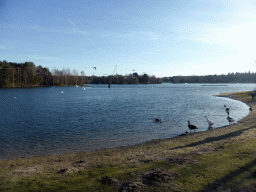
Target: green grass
229,166
233,166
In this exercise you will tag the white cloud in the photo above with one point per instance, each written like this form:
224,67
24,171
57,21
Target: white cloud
242,36
205,34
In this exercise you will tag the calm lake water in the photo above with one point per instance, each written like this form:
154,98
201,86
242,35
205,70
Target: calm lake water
53,120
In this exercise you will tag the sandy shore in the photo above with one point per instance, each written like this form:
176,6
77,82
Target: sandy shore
221,159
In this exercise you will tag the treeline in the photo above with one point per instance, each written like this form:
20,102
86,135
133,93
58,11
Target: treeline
28,74
134,78
23,74
246,77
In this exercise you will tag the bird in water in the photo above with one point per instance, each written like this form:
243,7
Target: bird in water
192,127
230,119
210,122
158,120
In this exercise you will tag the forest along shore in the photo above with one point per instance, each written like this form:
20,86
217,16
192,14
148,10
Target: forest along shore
28,74
221,159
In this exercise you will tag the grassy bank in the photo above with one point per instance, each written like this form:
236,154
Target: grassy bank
215,160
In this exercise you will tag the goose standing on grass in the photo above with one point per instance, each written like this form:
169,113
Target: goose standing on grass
210,122
192,127
250,109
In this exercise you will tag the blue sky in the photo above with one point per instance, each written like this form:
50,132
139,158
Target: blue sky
161,38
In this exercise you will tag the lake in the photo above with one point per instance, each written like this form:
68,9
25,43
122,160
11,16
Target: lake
54,120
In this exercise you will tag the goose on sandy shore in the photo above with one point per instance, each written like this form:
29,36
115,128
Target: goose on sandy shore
210,122
192,127
230,119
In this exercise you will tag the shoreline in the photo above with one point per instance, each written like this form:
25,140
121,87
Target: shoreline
229,95
213,156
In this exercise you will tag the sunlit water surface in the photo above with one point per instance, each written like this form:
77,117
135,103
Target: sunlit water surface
53,120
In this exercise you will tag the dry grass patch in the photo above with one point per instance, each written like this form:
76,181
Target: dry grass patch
27,171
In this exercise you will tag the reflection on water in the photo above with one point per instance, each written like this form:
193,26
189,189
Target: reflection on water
38,121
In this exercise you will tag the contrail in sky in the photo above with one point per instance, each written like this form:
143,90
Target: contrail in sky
86,36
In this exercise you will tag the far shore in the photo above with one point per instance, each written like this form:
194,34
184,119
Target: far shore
220,159
37,86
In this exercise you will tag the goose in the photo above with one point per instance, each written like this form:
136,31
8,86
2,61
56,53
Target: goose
250,109
210,122
192,127
158,120
227,109
230,119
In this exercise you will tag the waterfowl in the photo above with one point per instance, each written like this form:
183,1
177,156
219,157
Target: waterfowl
230,119
227,109
158,120
250,109
192,127
210,122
